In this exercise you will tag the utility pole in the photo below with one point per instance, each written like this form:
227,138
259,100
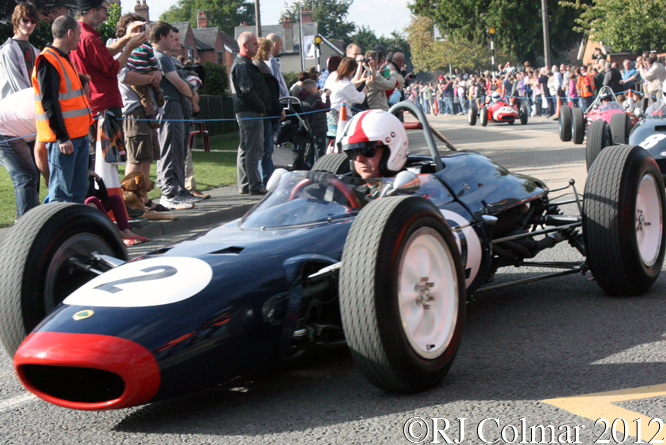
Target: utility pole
546,33
257,14
300,36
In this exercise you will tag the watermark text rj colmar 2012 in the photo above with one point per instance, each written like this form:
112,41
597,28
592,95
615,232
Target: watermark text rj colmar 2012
494,431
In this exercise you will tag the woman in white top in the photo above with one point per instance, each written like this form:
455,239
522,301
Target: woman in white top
343,91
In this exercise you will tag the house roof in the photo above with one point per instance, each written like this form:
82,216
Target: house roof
208,36
182,27
229,42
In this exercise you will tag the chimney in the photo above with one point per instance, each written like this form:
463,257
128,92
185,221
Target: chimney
306,15
288,35
202,20
142,10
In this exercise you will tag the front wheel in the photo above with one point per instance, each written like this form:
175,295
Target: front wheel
565,123
35,269
484,116
471,114
402,294
620,126
623,220
578,125
335,163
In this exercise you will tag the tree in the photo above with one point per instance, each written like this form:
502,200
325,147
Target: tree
331,16
518,22
108,29
364,37
225,14
429,55
217,79
608,20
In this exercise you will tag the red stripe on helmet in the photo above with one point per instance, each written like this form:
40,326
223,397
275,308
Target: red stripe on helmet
359,135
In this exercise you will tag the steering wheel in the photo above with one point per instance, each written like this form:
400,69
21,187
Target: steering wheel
344,189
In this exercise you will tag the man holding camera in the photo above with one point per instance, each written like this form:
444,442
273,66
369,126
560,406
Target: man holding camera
378,85
654,74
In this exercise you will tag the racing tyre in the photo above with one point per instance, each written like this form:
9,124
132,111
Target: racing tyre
402,294
598,139
336,163
623,220
511,122
524,114
471,114
578,125
35,273
483,117
620,126
565,123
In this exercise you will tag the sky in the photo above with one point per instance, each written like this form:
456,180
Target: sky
391,16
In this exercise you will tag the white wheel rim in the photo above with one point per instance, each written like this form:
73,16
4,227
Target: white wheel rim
428,293
648,220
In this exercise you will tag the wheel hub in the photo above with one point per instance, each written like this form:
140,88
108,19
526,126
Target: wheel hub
423,288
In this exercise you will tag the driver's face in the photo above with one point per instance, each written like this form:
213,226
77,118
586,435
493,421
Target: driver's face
368,168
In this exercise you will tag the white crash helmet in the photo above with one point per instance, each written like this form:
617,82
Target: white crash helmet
495,96
378,128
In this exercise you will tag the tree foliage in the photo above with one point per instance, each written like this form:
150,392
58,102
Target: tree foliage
108,29
633,25
518,23
429,55
331,16
217,79
225,14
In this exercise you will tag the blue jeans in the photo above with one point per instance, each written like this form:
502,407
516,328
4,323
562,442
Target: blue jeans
16,158
69,173
267,167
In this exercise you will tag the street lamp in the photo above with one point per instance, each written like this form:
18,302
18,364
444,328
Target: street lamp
490,32
317,41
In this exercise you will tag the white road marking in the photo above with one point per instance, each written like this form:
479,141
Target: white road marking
11,403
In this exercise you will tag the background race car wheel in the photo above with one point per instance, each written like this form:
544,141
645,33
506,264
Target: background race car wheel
402,294
577,125
598,138
565,123
623,220
620,126
524,114
483,116
35,273
471,114
336,163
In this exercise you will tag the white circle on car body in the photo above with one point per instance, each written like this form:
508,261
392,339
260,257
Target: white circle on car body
150,282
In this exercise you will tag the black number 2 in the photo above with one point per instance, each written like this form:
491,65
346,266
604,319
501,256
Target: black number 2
166,271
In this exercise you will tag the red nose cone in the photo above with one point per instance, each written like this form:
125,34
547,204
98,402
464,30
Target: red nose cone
85,371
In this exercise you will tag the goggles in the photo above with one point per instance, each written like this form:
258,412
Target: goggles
26,21
367,149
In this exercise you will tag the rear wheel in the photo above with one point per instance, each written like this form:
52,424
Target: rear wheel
598,138
565,123
620,126
484,116
472,114
524,114
623,220
35,269
336,163
578,125
402,294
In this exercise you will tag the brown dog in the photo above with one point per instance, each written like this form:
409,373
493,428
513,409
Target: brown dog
136,187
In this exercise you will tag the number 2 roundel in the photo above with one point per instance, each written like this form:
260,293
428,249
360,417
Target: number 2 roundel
150,282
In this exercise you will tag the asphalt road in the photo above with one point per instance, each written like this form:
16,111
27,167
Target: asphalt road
522,347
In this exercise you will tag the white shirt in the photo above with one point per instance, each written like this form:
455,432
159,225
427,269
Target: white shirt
17,115
343,91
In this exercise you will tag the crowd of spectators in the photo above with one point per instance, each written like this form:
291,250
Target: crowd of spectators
50,100
541,88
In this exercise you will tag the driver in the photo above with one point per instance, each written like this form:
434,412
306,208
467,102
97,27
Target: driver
659,107
494,98
605,98
376,143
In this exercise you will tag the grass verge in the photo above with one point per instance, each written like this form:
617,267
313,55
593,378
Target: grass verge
211,170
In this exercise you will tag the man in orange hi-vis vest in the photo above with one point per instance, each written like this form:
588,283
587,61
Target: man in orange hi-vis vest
63,114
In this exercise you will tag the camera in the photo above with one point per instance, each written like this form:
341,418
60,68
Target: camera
364,60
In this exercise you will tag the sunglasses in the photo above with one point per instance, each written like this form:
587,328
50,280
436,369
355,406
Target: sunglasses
367,149
26,21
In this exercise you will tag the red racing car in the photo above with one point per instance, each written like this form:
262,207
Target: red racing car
611,115
498,110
